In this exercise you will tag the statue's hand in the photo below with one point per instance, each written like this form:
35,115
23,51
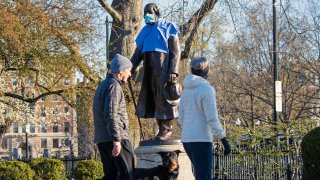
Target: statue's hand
173,78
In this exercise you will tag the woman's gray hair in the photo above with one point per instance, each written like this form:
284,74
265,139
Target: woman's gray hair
199,63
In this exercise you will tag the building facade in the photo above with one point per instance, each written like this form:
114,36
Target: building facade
55,135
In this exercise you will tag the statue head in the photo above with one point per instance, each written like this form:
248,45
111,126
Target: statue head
151,13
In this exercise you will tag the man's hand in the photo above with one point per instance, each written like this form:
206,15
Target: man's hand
116,148
226,145
172,78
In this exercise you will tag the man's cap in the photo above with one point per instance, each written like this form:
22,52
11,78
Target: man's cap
120,63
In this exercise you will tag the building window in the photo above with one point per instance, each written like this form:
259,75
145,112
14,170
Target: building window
24,129
32,128
43,111
32,106
43,98
43,128
66,82
55,111
15,128
66,142
66,109
55,143
5,144
14,81
28,128
66,126
54,98
44,143
55,127
30,81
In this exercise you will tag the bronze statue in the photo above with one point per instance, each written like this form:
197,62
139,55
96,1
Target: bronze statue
158,46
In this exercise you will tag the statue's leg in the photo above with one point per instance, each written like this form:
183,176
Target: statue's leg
165,129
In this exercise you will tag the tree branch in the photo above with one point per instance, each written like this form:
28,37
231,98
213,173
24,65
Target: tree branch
16,69
115,15
31,100
197,18
190,29
74,49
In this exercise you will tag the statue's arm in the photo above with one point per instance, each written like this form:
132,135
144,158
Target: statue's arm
174,54
136,59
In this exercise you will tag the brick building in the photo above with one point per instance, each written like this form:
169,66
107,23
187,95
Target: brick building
56,134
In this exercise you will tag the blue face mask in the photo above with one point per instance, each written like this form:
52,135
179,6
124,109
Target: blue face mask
150,18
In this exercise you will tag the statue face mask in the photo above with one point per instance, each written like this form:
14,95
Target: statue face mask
150,18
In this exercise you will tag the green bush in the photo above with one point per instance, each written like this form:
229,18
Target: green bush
15,170
88,169
310,148
48,169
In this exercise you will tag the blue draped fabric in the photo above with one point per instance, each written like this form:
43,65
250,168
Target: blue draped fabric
155,37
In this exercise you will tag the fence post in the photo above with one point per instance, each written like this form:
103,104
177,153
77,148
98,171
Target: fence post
3,177
72,166
289,172
224,176
216,168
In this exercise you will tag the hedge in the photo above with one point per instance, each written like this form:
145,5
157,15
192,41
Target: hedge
15,170
48,169
88,169
310,149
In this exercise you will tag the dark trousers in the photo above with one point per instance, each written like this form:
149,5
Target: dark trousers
120,167
200,155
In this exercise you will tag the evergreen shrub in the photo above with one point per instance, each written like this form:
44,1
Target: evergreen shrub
48,169
88,169
15,170
310,148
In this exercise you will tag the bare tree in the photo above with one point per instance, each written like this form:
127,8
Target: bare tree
242,75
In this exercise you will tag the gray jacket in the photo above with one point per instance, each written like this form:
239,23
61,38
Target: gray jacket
109,111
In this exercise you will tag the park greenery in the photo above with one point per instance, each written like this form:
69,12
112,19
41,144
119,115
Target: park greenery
45,42
46,168
16,170
310,147
50,169
88,169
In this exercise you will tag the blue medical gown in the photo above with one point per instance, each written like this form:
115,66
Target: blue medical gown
155,37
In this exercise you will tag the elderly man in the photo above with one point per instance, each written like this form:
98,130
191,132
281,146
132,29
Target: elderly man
111,123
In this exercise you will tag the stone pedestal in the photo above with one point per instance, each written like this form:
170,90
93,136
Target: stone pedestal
147,156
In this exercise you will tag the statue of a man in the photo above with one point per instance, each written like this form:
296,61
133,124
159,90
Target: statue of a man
158,46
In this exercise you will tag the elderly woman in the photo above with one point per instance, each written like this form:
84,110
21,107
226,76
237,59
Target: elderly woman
198,117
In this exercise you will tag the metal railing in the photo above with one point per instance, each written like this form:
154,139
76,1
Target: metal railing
71,163
257,166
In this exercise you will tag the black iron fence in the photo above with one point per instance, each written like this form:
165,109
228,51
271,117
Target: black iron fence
71,163
251,165
246,165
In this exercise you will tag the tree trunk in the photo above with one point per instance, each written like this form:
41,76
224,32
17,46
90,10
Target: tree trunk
122,39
